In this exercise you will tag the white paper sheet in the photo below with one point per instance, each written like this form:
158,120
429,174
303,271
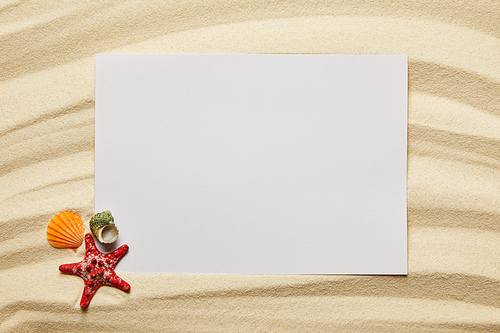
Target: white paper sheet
255,164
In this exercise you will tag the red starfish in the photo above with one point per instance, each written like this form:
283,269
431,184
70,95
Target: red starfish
97,269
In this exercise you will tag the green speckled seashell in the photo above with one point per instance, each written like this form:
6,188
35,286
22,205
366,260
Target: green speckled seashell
103,227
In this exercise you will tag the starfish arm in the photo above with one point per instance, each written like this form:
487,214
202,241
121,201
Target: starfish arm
70,268
88,294
121,251
117,254
89,244
115,281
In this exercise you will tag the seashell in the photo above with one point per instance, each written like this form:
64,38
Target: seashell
103,227
66,230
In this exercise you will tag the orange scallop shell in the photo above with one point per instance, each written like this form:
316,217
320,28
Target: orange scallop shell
66,230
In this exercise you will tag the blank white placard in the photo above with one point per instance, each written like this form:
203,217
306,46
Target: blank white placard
254,164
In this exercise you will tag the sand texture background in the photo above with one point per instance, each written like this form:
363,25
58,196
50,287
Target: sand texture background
47,53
